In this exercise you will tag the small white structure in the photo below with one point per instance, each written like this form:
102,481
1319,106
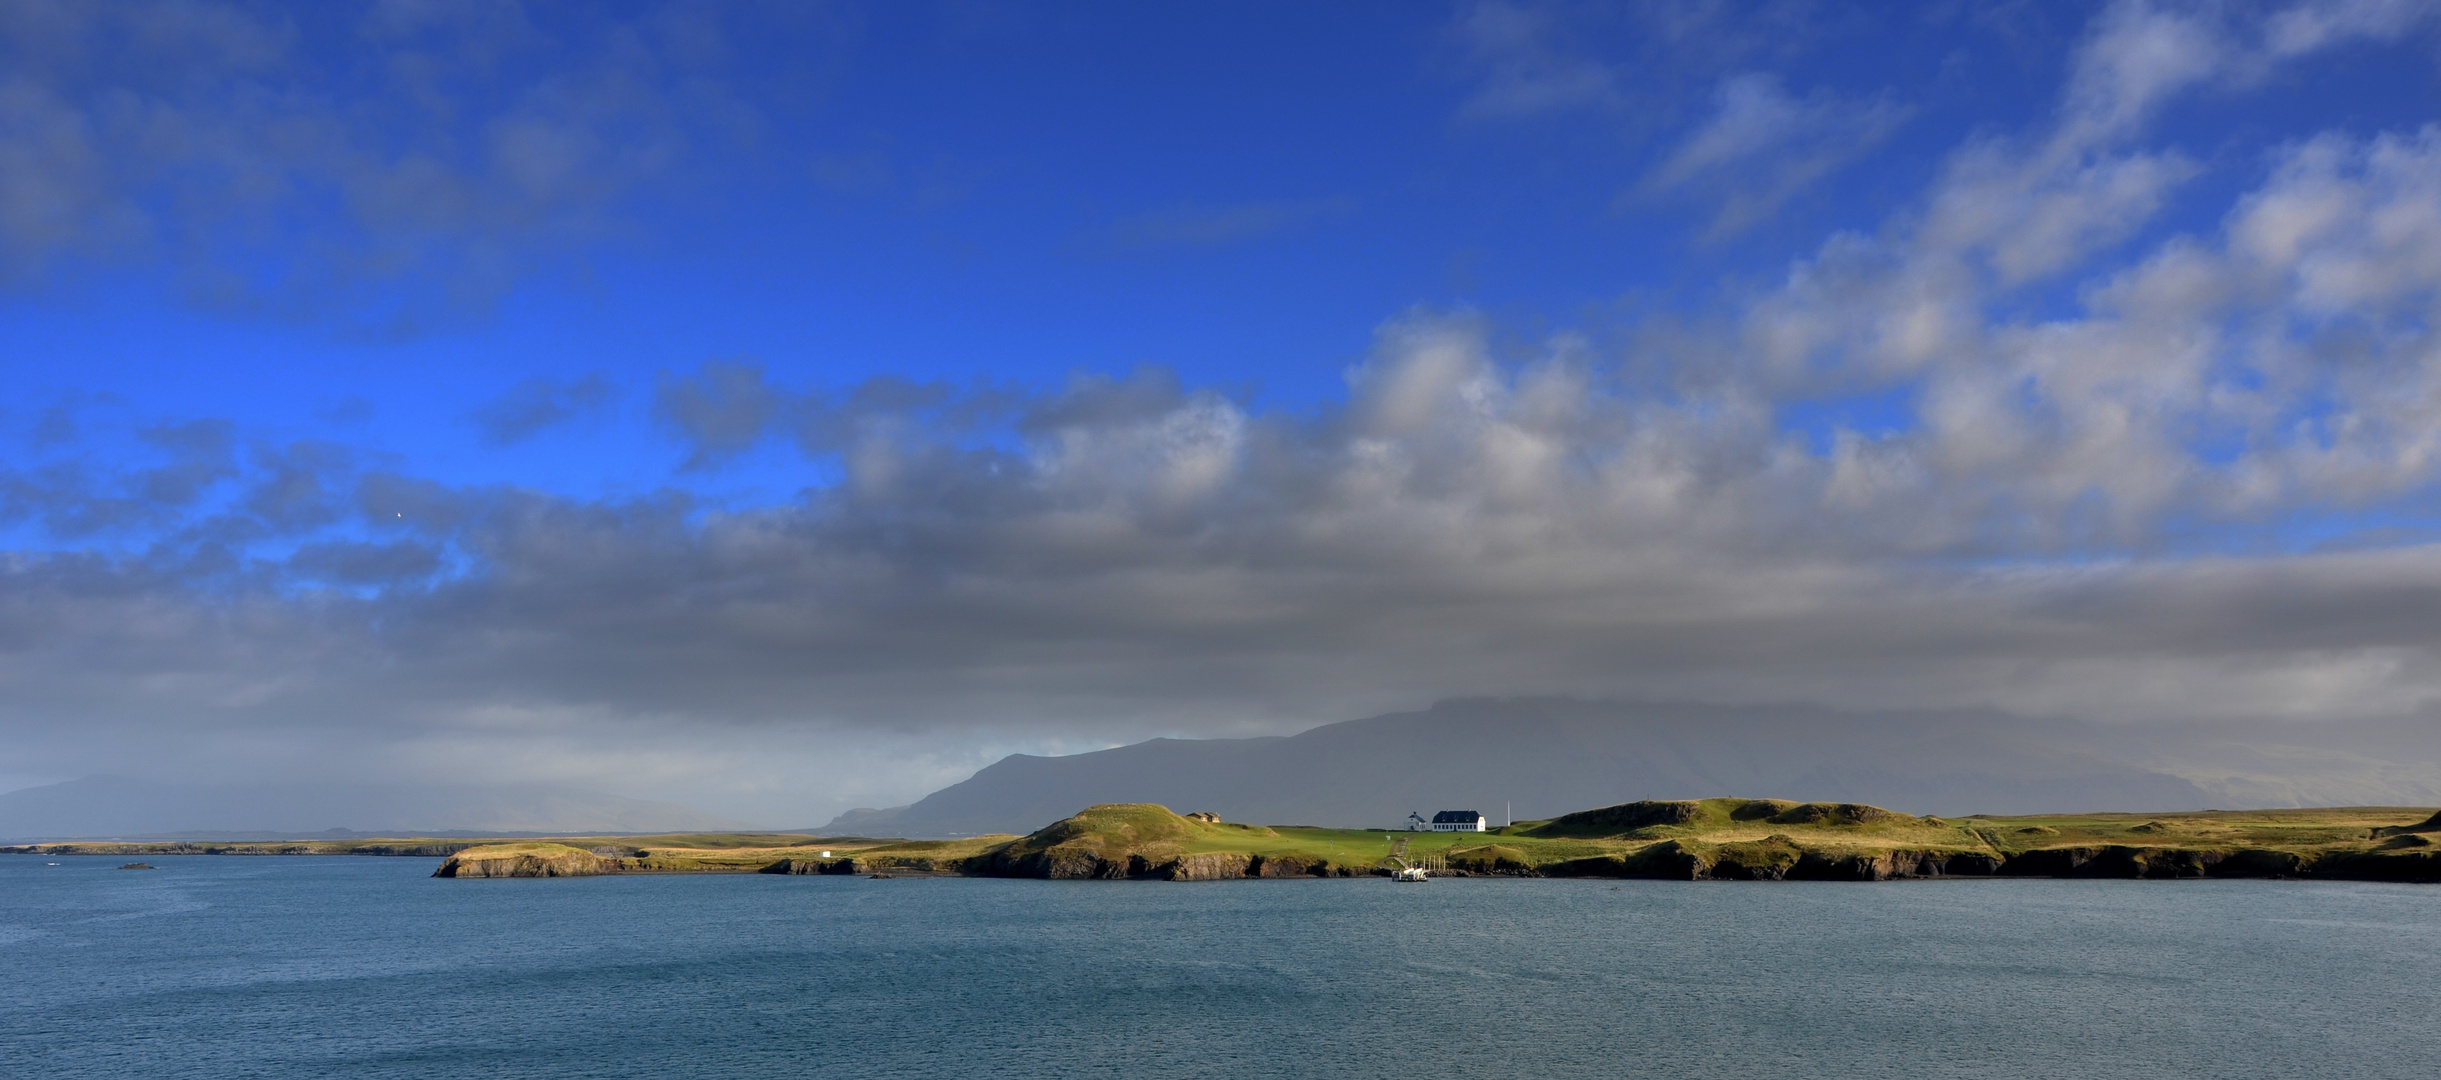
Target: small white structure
1416,823
1457,821
1401,869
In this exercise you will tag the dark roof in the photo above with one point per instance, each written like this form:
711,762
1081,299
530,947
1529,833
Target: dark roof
1453,817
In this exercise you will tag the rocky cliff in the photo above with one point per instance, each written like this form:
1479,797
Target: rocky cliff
525,861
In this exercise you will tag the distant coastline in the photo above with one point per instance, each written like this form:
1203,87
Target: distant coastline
1709,839
1717,839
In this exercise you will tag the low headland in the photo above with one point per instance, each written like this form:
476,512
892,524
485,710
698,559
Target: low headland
1733,839
1708,839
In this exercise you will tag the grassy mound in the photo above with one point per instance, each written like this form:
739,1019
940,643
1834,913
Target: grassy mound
1617,820
1654,820
1112,829
1112,840
1142,840
1835,814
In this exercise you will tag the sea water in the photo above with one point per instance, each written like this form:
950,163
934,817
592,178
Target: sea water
367,967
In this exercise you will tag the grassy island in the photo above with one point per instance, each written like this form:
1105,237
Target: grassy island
1738,839
1744,839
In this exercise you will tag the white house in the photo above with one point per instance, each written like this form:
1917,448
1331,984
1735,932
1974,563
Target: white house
1457,821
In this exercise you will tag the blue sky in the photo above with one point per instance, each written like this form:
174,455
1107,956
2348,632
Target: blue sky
1016,197
1003,197
1117,370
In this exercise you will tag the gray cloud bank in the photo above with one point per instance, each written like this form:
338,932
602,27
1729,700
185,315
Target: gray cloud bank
1130,557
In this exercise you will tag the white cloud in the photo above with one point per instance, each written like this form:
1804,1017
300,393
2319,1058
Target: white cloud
2309,27
1526,64
2137,56
1764,146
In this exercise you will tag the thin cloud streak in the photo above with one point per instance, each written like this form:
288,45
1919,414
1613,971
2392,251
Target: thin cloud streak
536,405
1765,147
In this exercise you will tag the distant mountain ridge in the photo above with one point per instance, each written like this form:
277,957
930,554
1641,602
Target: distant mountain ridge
1551,755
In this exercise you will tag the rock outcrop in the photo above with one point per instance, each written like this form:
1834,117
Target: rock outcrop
1291,866
2417,864
1668,860
1215,866
525,861
2428,825
810,866
2117,861
1776,858
1498,860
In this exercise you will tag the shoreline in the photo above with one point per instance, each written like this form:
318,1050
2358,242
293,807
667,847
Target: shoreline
1691,840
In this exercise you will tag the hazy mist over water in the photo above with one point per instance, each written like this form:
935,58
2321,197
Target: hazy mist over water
214,967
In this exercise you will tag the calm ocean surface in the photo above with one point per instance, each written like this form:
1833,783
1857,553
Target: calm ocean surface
365,967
